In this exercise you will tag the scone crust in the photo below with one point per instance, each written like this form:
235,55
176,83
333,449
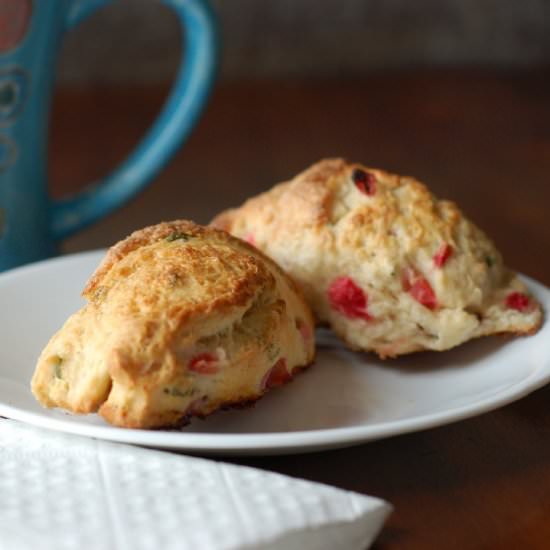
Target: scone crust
391,241
181,320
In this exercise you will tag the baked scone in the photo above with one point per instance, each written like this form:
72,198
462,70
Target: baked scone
180,320
388,266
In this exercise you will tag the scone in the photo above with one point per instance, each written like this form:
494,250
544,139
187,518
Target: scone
180,320
388,266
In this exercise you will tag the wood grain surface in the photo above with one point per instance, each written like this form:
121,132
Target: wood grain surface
481,138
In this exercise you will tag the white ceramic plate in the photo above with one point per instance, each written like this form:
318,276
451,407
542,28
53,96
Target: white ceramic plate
344,399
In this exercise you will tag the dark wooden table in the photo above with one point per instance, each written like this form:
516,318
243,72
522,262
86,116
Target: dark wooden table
479,137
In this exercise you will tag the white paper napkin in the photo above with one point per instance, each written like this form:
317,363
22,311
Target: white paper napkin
60,492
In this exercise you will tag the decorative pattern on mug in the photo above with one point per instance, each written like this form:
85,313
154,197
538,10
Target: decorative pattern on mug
14,21
13,92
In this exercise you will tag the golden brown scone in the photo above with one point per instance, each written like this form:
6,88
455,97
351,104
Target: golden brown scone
387,265
180,320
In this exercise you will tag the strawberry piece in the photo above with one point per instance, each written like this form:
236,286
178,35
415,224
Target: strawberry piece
250,239
347,298
419,288
277,375
204,363
423,293
442,255
364,181
517,301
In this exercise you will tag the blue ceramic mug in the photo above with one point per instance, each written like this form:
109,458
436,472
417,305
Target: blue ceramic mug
31,223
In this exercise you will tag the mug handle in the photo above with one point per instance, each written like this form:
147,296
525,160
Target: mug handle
173,125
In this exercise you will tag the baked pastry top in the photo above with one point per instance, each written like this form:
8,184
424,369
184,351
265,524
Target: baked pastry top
180,320
390,267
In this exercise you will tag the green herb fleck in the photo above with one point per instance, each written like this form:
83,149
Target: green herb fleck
57,369
272,351
177,236
175,392
490,261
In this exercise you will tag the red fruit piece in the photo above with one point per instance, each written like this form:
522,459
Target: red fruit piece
518,301
423,293
419,288
442,255
204,363
347,298
250,239
365,182
277,375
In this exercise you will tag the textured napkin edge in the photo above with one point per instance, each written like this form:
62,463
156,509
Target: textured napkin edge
366,514
359,534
